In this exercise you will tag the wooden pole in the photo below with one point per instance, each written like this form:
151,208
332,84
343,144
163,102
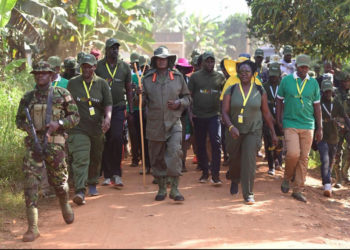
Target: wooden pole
141,123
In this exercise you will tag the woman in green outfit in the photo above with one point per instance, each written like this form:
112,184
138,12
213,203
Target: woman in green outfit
244,106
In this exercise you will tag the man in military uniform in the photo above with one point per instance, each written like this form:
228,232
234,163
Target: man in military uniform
287,64
166,97
341,165
262,71
118,75
70,68
64,115
85,141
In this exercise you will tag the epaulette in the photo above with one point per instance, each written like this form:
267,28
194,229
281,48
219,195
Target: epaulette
150,73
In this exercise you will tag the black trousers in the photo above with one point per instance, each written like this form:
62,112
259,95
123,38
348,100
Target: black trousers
113,150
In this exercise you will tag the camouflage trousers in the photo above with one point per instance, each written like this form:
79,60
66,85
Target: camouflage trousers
33,172
341,165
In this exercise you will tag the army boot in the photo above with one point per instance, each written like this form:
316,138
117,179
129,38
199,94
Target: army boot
33,231
174,192
338,176
66,209
162,183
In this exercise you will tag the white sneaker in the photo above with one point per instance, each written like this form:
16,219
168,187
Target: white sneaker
106,182
327,190
118,181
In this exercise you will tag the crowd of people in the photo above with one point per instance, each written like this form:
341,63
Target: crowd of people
85,117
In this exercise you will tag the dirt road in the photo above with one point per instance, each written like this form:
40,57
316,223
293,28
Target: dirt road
209,218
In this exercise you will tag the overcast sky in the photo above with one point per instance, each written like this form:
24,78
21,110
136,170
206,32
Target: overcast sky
221,8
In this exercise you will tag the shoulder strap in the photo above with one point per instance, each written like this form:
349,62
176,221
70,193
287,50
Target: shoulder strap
49,106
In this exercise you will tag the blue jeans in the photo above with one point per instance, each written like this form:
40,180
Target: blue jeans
212,127
327,154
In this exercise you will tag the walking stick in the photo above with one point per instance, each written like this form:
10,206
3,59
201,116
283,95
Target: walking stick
141,123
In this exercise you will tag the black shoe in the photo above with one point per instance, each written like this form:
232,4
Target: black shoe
160,197
299,196
216,180
234,188
204,178
184,169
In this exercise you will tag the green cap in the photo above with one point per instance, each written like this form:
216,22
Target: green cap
274,69
89,59
303,60
110,42
143,60
195,52
134,57
326,85
70,63
207,55
287,50
259,52
54,61
41,66
80,55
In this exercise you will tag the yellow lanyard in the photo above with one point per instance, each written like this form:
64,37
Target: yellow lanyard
88,91
302,89
110,73
55,83
245,98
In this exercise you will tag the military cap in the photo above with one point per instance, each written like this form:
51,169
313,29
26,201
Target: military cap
110,42
317,67
303,60
143,60
326,85
194,53
89,59
195,60
259,52
274,69
54,61
163,52
70,63
134,58
208,54
287,50
41,66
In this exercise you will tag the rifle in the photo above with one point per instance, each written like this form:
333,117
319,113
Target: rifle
39,154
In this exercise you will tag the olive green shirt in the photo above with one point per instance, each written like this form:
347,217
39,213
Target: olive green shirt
116,83
330,111
206,88
271,92
100,97
161,120
252,116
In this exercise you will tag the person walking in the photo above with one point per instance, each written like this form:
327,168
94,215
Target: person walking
166,97
58,105
85,141
298,100
287,63
243,109
205,86
118,76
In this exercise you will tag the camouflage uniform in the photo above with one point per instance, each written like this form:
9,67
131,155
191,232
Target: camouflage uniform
64,109
341,165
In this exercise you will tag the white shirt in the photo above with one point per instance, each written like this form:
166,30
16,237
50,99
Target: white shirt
287,68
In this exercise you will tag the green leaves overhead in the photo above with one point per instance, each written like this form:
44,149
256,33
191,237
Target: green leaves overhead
5,11
86,12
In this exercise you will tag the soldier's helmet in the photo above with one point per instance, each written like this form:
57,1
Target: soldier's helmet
41,66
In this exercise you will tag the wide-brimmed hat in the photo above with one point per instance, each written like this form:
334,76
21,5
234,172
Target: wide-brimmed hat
163,52
184,64
230,66
41,66
54,61
134,57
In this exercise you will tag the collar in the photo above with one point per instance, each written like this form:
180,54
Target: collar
295,76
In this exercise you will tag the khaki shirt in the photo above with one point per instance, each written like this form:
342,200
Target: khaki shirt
160,119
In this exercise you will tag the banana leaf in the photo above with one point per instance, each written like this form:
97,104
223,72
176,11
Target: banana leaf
5,11
86,12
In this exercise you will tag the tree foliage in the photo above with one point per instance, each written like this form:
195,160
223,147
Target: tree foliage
315,27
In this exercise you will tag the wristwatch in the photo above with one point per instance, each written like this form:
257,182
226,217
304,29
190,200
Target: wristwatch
60,122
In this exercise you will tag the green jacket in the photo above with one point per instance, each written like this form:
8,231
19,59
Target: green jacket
160,119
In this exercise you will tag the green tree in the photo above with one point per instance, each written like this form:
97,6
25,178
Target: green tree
165,15
316,27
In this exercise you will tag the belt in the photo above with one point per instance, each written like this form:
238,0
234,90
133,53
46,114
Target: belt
59,139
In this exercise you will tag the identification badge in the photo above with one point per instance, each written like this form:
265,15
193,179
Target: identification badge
240,118
92,111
